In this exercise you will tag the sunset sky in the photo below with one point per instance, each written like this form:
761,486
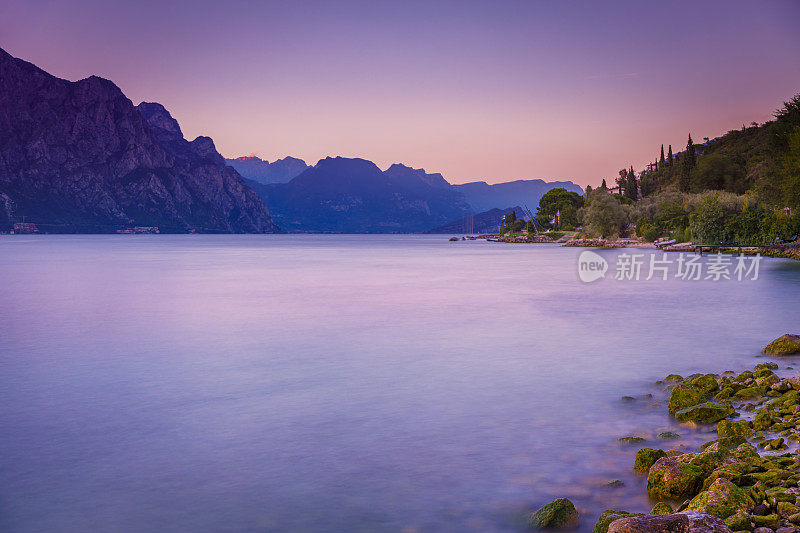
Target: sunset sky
475,90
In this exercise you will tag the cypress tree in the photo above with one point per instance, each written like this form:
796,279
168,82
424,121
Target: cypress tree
687,164
603,185
661,160
631,187
669,157
691,157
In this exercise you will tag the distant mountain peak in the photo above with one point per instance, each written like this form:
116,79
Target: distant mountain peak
254,168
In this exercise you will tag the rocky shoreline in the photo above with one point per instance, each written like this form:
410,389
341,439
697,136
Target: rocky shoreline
746,479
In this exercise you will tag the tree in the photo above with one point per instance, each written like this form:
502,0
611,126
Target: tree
622,180
602,186
631,186
562,203
669,156
604,215
708,220
687,164
661,160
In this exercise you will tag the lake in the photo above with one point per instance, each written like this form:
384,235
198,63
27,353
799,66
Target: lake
342,383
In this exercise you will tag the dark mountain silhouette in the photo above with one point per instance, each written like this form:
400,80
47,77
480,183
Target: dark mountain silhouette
346,195
79,157
482,196
257,169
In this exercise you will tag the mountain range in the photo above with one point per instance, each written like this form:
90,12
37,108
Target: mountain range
80,157
257,169
351,195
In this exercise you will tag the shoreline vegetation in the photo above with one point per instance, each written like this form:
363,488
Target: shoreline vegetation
737,192
745,478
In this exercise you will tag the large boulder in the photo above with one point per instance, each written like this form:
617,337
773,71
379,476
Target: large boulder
668,523
705,523
784,345
669,479
705,413
645,458
683,396
722,499
558,514
683,522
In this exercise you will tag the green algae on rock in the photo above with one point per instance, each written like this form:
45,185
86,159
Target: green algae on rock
722,499
784,345
684,396
662,508
610,516
669,479
705,413
645,458
558,514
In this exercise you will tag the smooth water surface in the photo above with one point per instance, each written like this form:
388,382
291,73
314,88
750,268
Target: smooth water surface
341,383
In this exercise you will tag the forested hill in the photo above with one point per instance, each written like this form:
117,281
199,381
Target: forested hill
760,159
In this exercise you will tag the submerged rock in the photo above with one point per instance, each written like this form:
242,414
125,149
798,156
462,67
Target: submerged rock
558,514
784,345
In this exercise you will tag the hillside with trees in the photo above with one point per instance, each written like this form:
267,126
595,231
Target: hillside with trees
740,188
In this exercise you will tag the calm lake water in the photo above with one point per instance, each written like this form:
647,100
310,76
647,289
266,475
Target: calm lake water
341,383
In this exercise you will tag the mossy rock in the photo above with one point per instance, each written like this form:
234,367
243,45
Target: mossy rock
628,399
749,393
683,396
669,479
728,428
558,514
705,413
722,499
784,345
645,458
630,440
706,383
739,521
668,435
787,509
661,508
770,520
609,516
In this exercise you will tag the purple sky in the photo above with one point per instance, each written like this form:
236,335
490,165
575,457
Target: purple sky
475,90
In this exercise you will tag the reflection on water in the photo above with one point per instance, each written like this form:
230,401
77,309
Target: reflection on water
341,383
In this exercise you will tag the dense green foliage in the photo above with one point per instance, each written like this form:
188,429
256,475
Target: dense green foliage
560,205
741,188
